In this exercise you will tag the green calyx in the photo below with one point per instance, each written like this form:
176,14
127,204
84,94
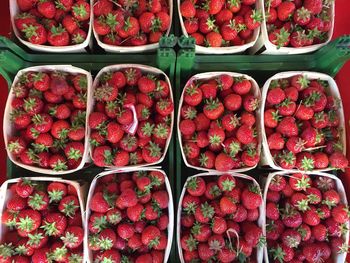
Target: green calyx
100,223
55,196
6,250
15,146
192,90
203,160
191,243
278,254
155,150
162,131
307,164
39,148
75,258
36,201
58,30
35,239
60,165
212,104
228,185
190,208
111,21
192,184
69,239
191,113
281,37
74,154
29,31
25,224
59,253
105,243
50,229
69,208
80,10
207,210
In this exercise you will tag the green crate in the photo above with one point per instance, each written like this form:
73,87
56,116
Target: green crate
13,58
327,60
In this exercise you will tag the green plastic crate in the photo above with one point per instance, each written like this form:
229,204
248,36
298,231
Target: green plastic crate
13,58
327,60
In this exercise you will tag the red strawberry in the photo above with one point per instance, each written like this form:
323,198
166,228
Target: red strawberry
46,8
69,205
81,10
315,6
338,160
98,203
187,9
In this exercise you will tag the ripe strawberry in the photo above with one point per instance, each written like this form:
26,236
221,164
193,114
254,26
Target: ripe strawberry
69,205
285,10
315,6
338,160
279,37
81,10
340,213
291,217
46,8
282,253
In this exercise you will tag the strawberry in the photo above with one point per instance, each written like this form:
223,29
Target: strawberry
338,160
41,255
272,211
279,37
46,8
111,254
340,213
69,205
315,6
282,253
285,10
24,188
28,220
98,203
16,145
81,10
271,118
253,19
187,9
38,200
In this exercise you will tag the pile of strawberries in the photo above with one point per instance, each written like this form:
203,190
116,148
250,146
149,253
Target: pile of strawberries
217,123
54,23
131,23
302,124
219,219
298,23
129,218
48,113
43,223
220,23
119,139
306,219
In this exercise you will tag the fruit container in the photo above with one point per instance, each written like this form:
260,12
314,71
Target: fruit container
260,221
105,174
266,157
133,127
339,187
264,46
133,49
77,48
9,129
255,91
222,50
7,191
